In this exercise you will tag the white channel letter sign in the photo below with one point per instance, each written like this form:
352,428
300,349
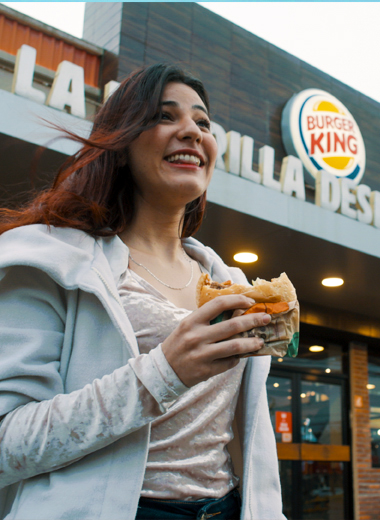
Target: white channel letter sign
235,156
321,131
67,89
343,195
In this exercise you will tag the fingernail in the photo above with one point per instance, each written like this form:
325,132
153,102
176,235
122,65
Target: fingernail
266,318
251,301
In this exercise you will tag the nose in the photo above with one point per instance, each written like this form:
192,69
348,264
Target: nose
189,130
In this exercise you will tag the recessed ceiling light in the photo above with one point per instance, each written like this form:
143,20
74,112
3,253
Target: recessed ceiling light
370,386
332,282
328,370
245,258
316,348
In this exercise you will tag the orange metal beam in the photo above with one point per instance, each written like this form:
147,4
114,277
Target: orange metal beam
50,50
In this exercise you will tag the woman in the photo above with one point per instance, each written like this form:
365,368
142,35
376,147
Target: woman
117,395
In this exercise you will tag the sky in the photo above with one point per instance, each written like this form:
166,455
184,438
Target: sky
339,38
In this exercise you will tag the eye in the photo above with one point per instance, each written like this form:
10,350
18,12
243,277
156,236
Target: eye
205,123
165,116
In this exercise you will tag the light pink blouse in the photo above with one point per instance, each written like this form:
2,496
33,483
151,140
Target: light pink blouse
188,457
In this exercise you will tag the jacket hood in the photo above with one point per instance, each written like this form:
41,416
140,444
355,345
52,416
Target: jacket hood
65,254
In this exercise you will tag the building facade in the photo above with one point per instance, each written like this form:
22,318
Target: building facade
325,404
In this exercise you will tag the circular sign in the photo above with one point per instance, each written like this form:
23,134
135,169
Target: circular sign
320,130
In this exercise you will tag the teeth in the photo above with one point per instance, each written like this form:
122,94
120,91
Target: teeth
186,158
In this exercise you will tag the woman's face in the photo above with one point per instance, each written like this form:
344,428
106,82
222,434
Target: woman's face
172,163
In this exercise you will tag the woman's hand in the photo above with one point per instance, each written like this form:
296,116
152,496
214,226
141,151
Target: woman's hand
197,350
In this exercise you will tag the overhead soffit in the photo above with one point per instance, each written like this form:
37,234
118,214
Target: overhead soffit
32,122
306,259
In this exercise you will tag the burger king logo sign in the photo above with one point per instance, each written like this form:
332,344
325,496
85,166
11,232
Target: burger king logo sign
320,130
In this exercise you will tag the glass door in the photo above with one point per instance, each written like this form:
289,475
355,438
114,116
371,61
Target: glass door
322,421
280,396
321,412
308,414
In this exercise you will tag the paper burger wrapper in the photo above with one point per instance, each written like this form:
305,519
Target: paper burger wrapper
281,335
277,298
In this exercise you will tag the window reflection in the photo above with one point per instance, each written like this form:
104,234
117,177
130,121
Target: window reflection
374,404
321,414
286,477
280,399
326,358
323,496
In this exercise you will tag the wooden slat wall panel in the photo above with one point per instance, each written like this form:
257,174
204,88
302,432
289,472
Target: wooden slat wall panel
211,60
340,320
220,103
168,32
50,50
217,31
134,21
249,80
132,56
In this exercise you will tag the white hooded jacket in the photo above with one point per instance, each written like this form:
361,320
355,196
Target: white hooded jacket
75,434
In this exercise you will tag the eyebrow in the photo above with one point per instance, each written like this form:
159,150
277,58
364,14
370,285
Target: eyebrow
175,104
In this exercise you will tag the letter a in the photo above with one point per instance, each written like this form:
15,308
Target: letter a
291,177
68,89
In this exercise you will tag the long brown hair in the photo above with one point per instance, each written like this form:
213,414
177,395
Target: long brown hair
94,190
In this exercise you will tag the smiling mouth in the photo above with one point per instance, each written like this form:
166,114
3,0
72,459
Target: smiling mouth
184,159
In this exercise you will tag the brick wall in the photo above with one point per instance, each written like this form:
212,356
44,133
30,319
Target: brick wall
366,480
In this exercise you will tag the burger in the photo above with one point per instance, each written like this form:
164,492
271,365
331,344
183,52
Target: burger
277,298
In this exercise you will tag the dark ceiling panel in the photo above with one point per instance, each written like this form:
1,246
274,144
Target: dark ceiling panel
305,259
23,167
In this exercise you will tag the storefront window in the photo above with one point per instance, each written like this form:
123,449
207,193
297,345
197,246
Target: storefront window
374,404
307,399
321,413
286,476
317,355
314,490
279,391
322,490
